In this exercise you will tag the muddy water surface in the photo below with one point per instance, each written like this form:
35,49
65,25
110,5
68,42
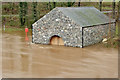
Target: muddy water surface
22,58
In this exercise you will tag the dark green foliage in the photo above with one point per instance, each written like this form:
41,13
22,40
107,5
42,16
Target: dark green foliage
70,4
51,5
23,12
47,5
61,4
34,9
9,8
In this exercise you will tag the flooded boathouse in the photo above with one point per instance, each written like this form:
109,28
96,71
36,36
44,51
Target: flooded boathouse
72,26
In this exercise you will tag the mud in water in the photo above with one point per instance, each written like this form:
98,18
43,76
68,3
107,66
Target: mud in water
23,59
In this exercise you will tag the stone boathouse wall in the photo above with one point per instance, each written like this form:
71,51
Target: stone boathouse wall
95,34
55,23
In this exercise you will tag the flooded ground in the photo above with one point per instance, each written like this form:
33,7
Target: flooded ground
23,59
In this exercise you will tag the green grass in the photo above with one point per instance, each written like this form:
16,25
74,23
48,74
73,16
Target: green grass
0,29
11,29
112,42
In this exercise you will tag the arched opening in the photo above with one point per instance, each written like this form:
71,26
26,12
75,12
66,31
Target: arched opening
56,40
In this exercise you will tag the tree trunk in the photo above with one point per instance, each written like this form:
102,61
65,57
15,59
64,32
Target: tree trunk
54,4
113,9
34,5
119,20
100,5
79,3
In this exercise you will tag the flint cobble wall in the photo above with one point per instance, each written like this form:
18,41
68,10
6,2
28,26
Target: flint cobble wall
95,34
56,23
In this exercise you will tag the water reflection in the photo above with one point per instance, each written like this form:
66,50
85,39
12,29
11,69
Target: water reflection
24,59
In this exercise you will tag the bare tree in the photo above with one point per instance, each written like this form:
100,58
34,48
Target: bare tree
113,4
54,4
34,10
23,12
118,19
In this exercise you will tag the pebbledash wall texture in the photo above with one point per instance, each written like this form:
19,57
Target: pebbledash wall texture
77,26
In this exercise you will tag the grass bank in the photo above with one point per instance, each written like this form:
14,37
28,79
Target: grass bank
13,29
111,42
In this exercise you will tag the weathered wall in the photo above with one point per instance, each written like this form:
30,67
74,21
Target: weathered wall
56,23
95,34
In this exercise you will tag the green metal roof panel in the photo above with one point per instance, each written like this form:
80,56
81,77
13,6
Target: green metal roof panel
85,16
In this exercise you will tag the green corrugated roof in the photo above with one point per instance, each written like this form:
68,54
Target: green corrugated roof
85,16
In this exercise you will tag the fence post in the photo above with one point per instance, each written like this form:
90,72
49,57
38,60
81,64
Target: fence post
100,5
79,3
54,4
113,4
118,19
118,34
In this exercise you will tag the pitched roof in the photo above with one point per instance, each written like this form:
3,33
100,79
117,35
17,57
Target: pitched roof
85,16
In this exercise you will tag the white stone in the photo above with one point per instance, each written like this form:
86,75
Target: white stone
39,32
104,40
35,24
69,25
44,16
57,19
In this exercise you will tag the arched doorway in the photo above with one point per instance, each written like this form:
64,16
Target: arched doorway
56,40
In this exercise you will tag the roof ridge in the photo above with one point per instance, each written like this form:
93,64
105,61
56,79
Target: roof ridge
77,7
84,15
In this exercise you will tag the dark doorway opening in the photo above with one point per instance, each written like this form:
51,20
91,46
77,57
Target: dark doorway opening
56,40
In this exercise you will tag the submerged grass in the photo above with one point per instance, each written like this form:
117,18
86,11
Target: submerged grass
112,42
11,29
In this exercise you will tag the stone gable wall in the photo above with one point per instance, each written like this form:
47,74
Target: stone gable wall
56,23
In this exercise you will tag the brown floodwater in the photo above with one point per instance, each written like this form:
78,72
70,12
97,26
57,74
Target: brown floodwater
23,59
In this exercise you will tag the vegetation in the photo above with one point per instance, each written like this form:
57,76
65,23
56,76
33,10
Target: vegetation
34,5
23,12
69,4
